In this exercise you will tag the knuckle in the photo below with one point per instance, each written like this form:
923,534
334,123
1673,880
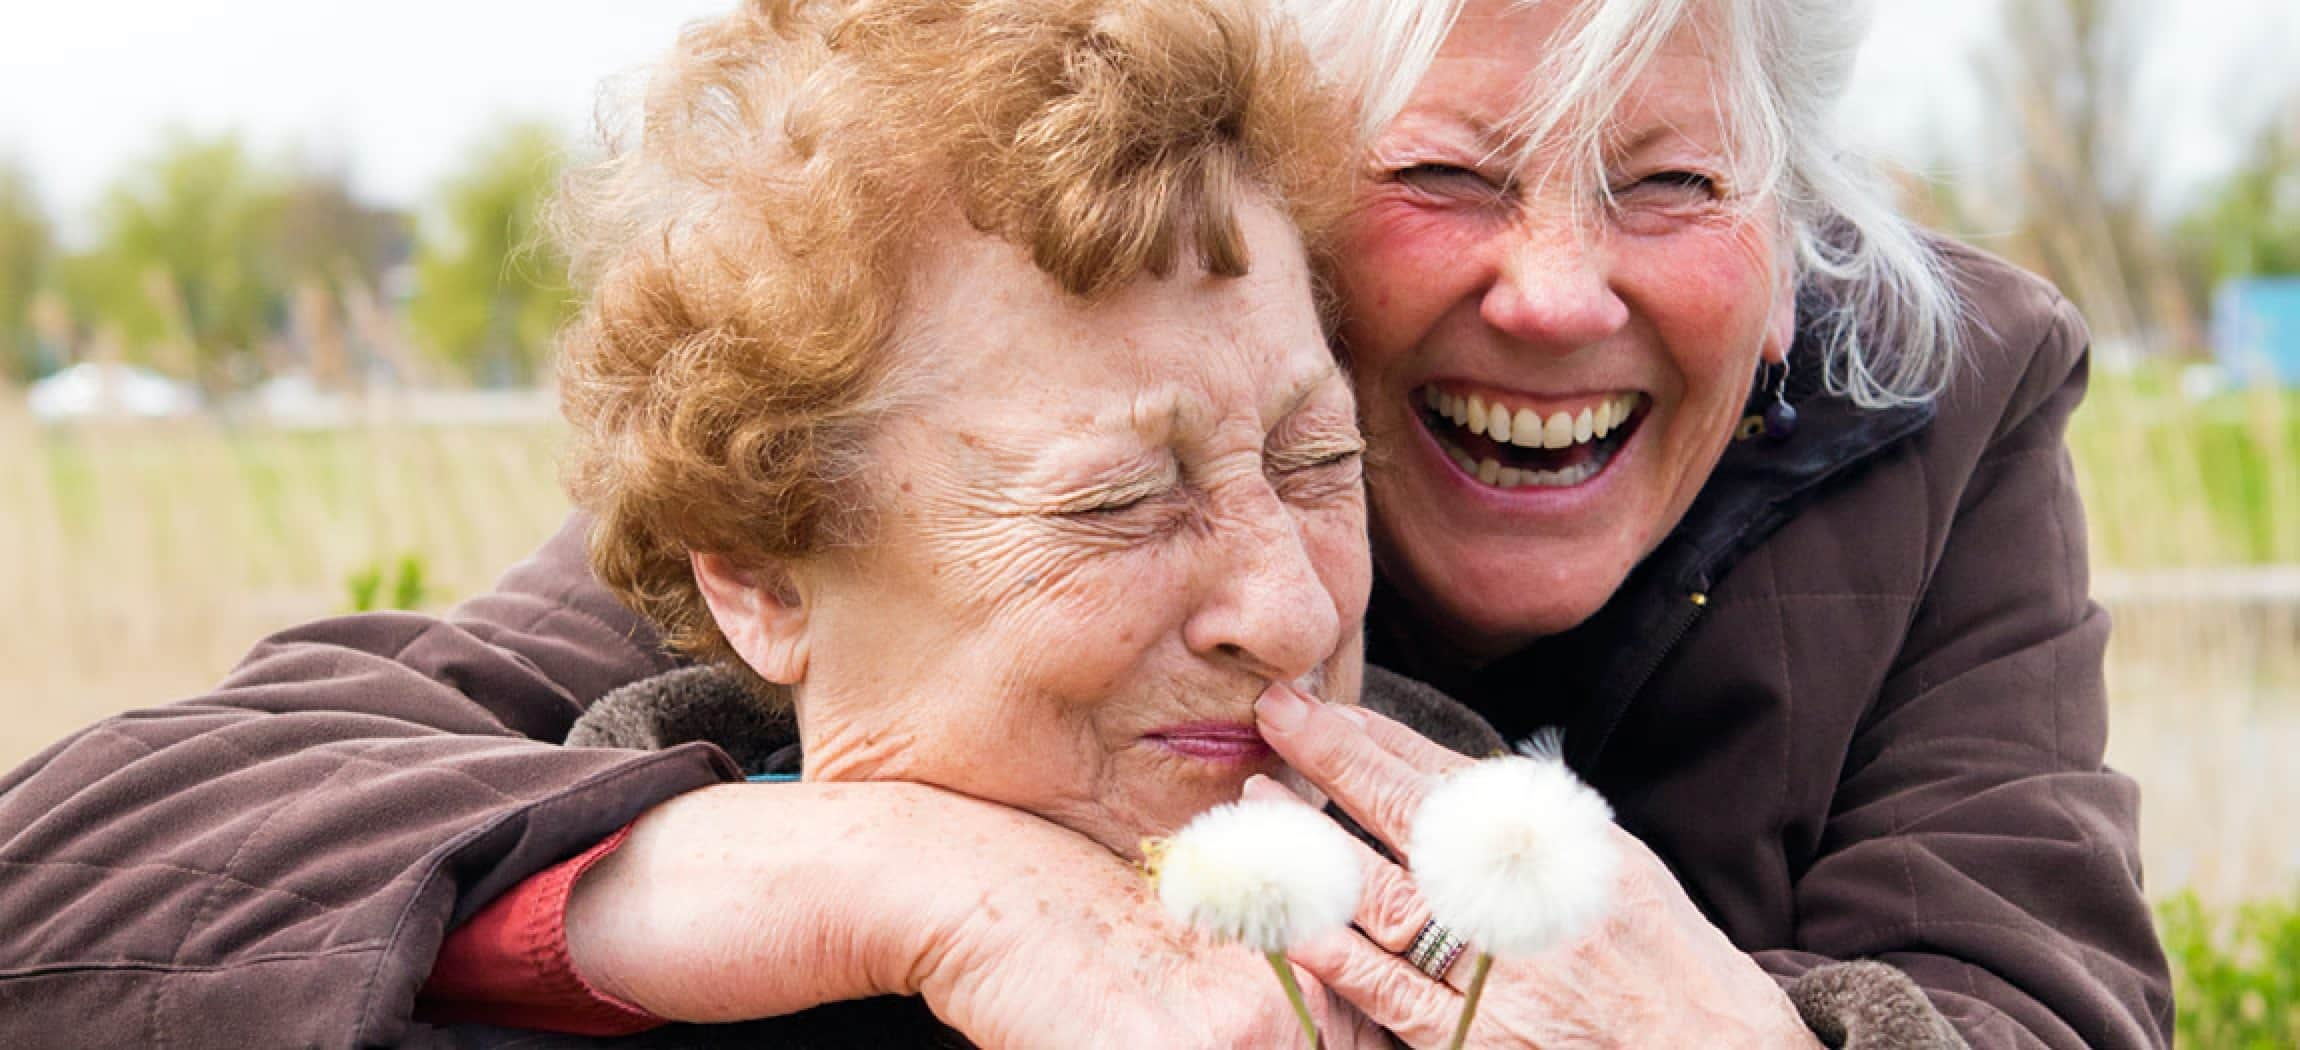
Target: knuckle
1351,761
1404,989
1395,804
1393,909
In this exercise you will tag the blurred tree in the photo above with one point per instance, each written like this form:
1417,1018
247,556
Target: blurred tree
184,271
332,251
490,287
27,251
325,234
2250,225
2066,76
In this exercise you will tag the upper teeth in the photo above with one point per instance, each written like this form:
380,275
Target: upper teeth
1527,429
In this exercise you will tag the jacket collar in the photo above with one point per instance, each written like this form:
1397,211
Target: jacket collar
1585,679
1759,484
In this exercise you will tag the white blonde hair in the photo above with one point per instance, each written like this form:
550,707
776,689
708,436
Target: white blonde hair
1874,287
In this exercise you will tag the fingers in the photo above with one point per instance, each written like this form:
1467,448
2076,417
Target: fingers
1391,911
1373,785
1386,988
1398,739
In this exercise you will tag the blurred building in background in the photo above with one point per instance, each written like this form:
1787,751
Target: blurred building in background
2256,329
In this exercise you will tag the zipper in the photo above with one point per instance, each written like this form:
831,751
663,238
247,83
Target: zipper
1689,611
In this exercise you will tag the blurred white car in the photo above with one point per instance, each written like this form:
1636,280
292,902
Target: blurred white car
96,391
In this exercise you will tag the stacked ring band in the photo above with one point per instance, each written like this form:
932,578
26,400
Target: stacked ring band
1435,950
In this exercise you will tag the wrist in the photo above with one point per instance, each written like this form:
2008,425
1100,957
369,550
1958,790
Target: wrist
836,893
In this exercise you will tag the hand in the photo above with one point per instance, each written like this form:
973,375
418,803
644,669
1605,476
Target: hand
1017,932
1653,972
1089,958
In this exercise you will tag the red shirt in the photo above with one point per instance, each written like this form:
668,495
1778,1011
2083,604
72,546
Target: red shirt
508,965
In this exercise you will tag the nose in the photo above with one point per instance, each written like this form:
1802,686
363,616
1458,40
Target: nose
1264,608
1551,287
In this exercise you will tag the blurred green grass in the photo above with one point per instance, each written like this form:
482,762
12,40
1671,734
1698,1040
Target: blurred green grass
2236,972
2171,482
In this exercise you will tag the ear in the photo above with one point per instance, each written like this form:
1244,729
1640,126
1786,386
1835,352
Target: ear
1781,328
761,612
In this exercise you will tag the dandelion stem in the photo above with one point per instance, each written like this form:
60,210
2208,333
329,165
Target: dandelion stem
1294,996
1469,1003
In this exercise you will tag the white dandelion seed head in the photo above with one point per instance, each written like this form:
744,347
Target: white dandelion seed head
1267,874
1515,854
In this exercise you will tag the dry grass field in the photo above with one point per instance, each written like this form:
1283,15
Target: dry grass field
139,562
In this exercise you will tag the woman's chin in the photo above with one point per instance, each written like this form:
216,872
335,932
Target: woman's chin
1518,617
1123,831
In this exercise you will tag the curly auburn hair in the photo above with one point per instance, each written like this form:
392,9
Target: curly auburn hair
744,260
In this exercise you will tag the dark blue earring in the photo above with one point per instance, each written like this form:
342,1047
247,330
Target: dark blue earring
1781,416
1778,421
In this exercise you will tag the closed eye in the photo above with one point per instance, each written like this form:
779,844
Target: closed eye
1677,185
1113,500
1318,472
1449,180
1291,461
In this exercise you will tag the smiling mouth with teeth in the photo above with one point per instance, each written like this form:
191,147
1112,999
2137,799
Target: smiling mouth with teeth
1511,448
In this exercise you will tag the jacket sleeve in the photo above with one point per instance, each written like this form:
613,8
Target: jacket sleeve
275,863
1977,842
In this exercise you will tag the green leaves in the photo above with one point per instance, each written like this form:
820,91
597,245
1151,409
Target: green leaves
209,262
180,274
2250,224
408,590
27,253
491,290
2236,975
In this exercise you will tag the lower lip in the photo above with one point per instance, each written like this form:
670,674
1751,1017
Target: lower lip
1224,747
1560,500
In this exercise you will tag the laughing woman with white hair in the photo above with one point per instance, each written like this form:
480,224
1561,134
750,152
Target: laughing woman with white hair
1680,439
1687,442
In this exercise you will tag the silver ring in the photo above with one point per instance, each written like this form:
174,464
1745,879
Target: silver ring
1435,950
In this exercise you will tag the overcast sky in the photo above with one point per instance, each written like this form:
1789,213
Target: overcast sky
392,92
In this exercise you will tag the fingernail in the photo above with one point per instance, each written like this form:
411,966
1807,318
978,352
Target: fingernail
1281,708
1260,786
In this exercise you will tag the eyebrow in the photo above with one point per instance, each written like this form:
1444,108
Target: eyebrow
1491,140
1656,130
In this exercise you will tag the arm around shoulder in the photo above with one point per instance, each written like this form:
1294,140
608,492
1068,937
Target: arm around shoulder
303,835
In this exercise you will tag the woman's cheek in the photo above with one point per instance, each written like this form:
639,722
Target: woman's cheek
1099,626
1391,246
1339,549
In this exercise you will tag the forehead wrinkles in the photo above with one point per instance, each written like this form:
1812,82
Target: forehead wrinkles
1186,417
1017,467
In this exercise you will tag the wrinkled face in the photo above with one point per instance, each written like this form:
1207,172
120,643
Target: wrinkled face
1545,397
1104,530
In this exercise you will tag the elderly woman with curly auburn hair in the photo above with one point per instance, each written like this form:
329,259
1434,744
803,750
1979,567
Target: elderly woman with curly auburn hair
956,369
953,367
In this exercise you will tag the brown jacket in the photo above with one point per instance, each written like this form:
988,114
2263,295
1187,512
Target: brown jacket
1877,734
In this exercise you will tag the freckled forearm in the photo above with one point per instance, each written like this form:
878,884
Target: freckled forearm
693,923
